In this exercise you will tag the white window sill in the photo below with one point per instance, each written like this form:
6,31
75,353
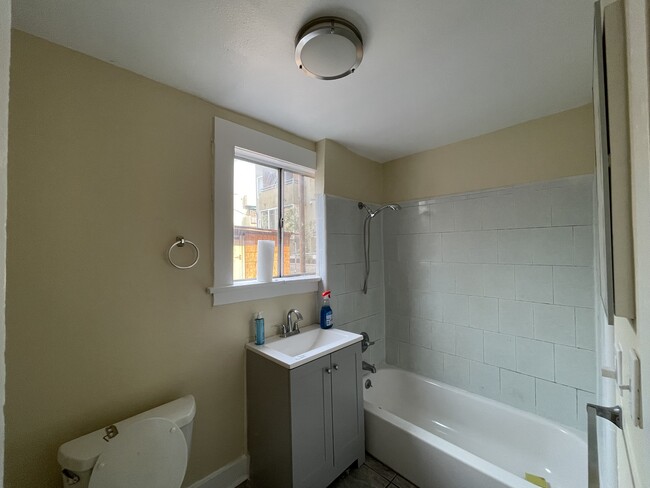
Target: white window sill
243,291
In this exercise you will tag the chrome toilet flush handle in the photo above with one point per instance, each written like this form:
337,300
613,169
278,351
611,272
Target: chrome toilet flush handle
111,431
71,478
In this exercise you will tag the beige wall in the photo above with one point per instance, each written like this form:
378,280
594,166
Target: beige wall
636,335
346,174
105,169
5,43
543,149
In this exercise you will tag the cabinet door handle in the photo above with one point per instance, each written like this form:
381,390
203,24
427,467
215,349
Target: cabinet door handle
328,370
336,367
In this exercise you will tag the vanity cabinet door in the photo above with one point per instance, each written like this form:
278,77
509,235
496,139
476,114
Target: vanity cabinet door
311,423
347,407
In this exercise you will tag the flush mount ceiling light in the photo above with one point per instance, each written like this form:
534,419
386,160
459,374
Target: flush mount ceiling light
328,48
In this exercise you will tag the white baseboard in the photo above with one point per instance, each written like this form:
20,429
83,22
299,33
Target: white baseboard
229,476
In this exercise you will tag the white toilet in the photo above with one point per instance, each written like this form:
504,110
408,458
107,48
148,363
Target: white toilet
149,450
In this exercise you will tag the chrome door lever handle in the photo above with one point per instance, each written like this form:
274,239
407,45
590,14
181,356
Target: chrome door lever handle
615,416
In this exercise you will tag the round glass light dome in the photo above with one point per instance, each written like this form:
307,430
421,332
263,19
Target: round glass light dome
328,48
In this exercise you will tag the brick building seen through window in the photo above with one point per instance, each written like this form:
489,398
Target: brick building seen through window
257,215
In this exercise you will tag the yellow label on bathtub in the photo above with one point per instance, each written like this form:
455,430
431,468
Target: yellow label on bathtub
537,480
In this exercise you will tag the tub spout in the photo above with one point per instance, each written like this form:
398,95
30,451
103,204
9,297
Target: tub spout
368,367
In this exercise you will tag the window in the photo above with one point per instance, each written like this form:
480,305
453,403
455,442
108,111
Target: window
258,216
264,190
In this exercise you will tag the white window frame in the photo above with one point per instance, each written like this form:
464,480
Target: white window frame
231,140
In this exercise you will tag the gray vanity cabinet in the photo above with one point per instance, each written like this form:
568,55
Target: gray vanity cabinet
305,425
347,408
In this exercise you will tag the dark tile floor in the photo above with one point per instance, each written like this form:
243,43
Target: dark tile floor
373,474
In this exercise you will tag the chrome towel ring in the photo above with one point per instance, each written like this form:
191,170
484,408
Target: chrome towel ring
180,242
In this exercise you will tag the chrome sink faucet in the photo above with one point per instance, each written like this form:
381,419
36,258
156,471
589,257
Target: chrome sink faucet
291,328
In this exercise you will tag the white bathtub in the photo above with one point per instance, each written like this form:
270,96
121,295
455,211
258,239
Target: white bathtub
438,436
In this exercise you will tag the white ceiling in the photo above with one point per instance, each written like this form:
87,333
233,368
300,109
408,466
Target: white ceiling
434,71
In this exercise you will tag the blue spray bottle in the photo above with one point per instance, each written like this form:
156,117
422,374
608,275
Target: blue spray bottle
326,317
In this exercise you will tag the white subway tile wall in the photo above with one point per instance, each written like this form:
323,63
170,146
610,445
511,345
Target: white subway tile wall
556,401
492,292
518,390
500,350
354,311
484,313
484,380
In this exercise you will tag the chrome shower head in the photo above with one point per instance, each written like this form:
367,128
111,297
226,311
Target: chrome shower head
392,206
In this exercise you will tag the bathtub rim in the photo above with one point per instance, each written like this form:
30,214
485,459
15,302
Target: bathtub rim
472,461
581,435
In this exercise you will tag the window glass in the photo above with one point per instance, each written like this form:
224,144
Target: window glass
299,231
255,216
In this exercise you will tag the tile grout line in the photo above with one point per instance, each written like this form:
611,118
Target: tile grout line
389,480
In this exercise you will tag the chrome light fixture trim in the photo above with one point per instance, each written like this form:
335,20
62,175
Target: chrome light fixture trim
328,26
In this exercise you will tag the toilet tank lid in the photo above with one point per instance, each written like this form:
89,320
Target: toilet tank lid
80,454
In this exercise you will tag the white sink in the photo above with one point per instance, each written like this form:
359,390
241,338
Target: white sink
312,343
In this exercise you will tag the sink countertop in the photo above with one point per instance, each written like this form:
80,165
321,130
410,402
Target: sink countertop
312,343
